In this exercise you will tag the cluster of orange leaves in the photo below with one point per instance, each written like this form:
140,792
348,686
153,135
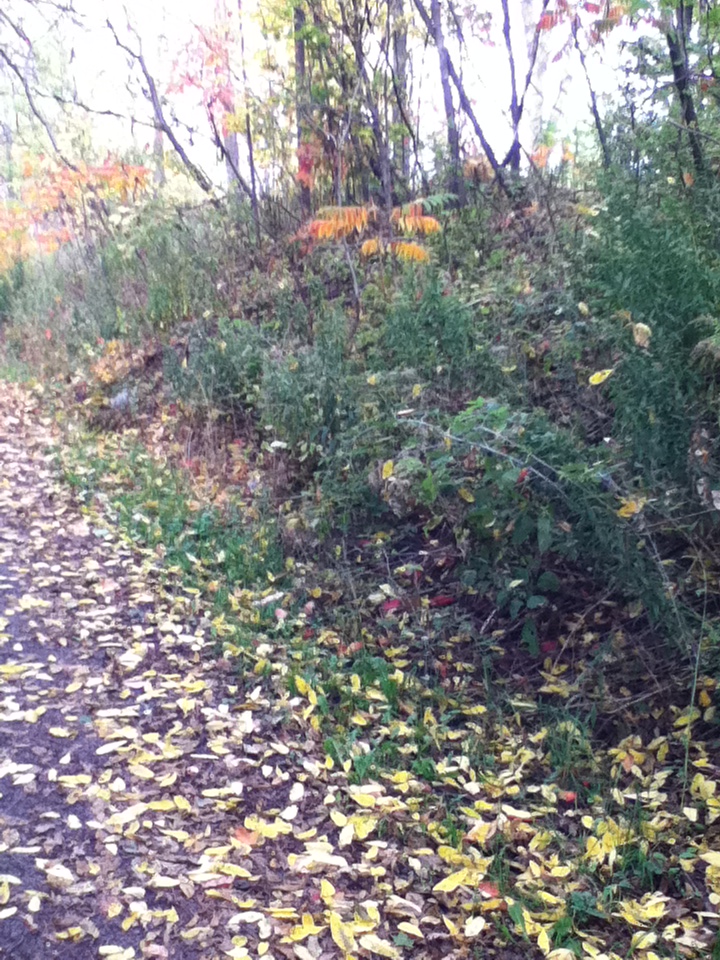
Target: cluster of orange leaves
609,14
51,201
541,155
337,223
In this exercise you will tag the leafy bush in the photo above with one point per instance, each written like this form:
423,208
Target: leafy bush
428,329
222,369
649,261
10,284
308,396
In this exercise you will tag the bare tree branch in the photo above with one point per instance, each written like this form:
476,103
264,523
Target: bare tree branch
465,103
37,113
202,180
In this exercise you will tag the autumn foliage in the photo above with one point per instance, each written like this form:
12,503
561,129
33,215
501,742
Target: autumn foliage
338,223
55,205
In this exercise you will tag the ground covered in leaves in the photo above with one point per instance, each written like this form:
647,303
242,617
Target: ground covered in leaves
178,784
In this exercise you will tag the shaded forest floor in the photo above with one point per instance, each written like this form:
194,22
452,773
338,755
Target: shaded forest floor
167,792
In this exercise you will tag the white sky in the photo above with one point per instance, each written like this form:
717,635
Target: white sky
101,74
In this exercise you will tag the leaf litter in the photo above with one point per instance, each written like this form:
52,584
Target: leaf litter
167,792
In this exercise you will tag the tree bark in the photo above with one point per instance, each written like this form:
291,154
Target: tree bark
248,133
677,37
301,101
597,119
456,181
396,14
513,157
464,101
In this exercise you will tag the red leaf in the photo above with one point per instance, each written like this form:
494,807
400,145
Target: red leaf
488,889
441,601
568,796
390,606
250,837
592,7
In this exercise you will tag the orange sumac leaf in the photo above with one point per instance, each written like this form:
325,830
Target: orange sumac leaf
409,251
371,248
417,223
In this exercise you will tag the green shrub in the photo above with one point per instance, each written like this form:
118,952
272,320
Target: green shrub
650,261
310,395
223,367
429,330
10,284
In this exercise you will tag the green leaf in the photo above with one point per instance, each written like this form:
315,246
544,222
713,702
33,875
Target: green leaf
530,638
548,582
536,601
544,533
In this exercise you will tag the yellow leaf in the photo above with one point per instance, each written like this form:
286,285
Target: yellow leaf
452,882
411,929
60,732
712,857
327,892
342,933
382,948
583,309
543,941
307,928
600,377
643,939
465,494
631,508
387,470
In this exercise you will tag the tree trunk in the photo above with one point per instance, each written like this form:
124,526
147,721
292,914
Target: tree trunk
159,159
354,31
464,100
301,103
677,36
513,156
248,133
401,153
597,119
456,181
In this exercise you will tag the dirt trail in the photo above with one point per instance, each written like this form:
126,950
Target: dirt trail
129,757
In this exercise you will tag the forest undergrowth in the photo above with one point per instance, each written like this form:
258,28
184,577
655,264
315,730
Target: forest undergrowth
458,503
